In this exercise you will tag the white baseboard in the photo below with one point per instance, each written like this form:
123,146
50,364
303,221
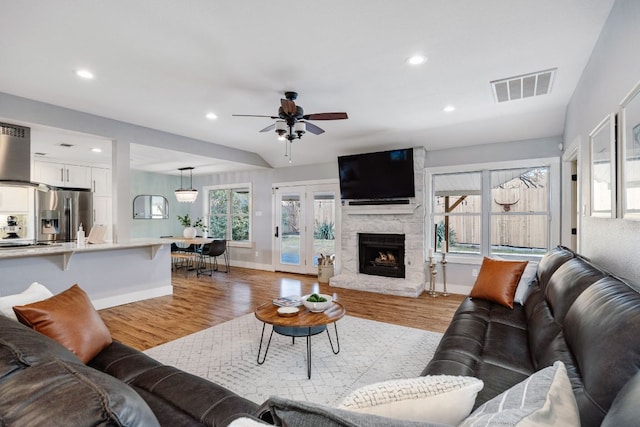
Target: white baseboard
253,265
127,298
453,288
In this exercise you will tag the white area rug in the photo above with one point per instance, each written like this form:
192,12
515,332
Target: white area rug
369,352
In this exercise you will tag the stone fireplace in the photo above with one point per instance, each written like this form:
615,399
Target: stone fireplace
388,221
381,254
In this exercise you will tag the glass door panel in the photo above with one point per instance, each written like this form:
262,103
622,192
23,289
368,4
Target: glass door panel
305,227
324,223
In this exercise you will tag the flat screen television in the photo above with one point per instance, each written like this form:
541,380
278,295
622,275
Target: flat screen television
381,175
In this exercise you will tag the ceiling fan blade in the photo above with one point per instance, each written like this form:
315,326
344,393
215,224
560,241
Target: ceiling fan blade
326,116
289,107
269,128
253,115
313,128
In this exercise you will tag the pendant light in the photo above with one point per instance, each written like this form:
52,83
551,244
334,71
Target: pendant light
186,195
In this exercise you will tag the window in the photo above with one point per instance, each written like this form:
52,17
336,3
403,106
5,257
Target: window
229,212
494,211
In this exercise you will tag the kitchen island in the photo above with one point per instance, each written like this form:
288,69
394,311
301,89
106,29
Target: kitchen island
111,273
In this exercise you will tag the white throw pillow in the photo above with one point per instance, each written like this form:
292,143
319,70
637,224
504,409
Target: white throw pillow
246,422
527,277
544,399
34,293
437,398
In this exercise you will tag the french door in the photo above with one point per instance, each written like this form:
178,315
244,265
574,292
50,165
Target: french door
305,227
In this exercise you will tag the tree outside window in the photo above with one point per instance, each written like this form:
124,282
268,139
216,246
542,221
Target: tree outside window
229,213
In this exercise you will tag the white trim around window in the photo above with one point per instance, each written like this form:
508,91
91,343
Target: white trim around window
555,185
242,185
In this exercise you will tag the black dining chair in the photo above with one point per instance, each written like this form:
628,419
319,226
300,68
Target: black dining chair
217,248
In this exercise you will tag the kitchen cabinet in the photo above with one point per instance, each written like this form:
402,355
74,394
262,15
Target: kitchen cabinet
62,175
14,200
102,214
101,181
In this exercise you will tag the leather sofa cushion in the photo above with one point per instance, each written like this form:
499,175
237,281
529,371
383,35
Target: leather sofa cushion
59,393
21,347
625,410
488,341
567,283
601,330
70,319
550,262
172,391
498,280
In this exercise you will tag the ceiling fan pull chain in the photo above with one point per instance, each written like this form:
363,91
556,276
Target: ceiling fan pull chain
290,152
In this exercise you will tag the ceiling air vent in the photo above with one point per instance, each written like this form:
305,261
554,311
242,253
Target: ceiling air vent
524,86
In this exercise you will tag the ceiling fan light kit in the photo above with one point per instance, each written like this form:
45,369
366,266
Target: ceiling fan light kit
186,195
291,122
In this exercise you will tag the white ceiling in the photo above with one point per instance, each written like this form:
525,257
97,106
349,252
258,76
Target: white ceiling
163,64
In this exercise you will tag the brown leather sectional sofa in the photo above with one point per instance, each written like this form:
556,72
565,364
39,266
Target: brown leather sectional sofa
44,384
576,313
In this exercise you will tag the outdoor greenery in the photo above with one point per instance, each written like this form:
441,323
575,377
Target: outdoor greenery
323,230
229,206
440,234
186,221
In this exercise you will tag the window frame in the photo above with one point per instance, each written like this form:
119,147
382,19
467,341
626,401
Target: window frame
485,169
206,208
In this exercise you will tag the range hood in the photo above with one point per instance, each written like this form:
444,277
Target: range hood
15,156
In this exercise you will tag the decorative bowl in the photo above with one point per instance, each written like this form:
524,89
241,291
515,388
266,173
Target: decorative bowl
317,307
288,311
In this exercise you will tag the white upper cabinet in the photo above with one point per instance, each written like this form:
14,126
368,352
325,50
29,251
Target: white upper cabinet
62,175
101,181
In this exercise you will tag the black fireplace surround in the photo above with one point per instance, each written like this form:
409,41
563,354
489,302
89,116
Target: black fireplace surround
381,254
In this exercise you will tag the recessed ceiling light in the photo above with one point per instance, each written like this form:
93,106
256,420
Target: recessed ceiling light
85,74
97,150
449,108
211,116
417,60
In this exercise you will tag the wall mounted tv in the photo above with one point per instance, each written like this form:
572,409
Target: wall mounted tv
381,175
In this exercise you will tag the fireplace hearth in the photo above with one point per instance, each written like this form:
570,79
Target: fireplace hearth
381,254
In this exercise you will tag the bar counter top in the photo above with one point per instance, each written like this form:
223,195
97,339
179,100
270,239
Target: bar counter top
70,248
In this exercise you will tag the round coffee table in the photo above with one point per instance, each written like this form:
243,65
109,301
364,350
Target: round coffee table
304,324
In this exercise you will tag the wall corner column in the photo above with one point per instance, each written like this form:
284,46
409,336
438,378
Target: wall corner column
121,184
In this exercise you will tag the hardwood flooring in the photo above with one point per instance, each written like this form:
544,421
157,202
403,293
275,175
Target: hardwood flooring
199,303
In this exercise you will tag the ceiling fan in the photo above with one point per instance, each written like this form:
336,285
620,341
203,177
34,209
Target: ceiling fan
291,122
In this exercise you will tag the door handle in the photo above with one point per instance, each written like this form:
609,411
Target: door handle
276,235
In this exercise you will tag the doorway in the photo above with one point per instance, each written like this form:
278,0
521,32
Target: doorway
306,226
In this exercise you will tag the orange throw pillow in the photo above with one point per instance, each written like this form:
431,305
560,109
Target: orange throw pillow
498,280
70,319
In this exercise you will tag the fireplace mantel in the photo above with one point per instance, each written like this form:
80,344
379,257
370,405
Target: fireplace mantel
381,209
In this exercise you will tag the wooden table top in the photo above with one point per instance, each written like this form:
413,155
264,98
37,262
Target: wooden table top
268,313
191,241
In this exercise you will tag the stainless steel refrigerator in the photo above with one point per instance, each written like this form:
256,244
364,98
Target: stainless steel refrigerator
60,213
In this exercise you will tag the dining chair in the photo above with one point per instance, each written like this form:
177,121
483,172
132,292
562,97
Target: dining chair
216,248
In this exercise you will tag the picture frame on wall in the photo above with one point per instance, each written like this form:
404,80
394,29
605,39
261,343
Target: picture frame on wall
629,159
602,148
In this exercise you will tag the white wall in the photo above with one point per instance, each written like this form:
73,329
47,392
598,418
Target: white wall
612,71
262,204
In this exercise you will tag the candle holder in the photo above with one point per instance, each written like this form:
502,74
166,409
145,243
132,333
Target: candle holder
433,269
444,275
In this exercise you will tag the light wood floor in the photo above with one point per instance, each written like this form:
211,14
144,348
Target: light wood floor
198,303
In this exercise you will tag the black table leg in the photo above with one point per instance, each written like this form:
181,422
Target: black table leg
268,344
309,355
335,326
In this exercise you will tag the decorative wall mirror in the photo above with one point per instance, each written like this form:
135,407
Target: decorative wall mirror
602,144
150,207
630,155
